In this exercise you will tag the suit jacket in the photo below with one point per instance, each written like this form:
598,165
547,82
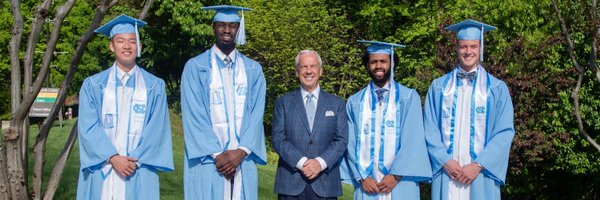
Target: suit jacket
292,139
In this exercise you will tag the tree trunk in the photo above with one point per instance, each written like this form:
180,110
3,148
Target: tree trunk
15,63
13,183
577,113
4,187
596,33
41,13
40,146
14,165
65,86
580,70
25,147
14,160
59,168
146,9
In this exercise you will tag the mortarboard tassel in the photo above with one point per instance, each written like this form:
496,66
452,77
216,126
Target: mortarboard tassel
241,35
481,43
137,40
392,66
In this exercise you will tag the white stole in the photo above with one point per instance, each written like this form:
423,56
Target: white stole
228,131
125,137
479,111
365,148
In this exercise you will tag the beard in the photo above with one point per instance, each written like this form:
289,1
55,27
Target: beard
225,45
380,80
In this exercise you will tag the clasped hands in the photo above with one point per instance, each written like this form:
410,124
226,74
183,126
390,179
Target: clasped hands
123,165
387,184
465,175
228,162
311,168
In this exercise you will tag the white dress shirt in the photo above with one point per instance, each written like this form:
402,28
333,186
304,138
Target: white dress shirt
304,94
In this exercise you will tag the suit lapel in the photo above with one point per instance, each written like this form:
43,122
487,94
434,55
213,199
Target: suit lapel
320,113
299,106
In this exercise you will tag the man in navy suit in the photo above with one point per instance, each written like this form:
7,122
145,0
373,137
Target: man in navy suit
310,131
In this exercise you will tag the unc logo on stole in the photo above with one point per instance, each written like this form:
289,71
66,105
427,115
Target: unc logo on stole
389,123
480,110
139,108
366,130
241,90
216,97
109,120
446,113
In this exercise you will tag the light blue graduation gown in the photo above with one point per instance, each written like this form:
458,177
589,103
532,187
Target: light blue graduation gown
411,160
201,177
154,153
494,156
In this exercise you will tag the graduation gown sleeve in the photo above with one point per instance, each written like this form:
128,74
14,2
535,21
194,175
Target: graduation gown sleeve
156,148
154,151
437,151
348,167
200,140
494,157
411,161
253,134
95,148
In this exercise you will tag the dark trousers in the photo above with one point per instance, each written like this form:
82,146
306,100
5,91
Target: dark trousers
307,194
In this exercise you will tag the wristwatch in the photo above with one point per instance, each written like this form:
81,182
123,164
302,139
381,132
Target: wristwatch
397,177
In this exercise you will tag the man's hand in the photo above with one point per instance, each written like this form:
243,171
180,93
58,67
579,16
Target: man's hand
123,165
229,161
311,169
220,161
454,170
471,171
370,185
387,184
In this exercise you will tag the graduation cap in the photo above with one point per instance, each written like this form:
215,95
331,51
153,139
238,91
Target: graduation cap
123,24
382,48
471,30
227,13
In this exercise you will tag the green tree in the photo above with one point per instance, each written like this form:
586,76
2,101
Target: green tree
278,30
526,52
179,30
5,24
44,35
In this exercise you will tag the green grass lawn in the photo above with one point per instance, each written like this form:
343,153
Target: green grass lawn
171,184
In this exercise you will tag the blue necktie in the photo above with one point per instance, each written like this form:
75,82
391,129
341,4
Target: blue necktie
310,109
379,93
227,62
464,75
